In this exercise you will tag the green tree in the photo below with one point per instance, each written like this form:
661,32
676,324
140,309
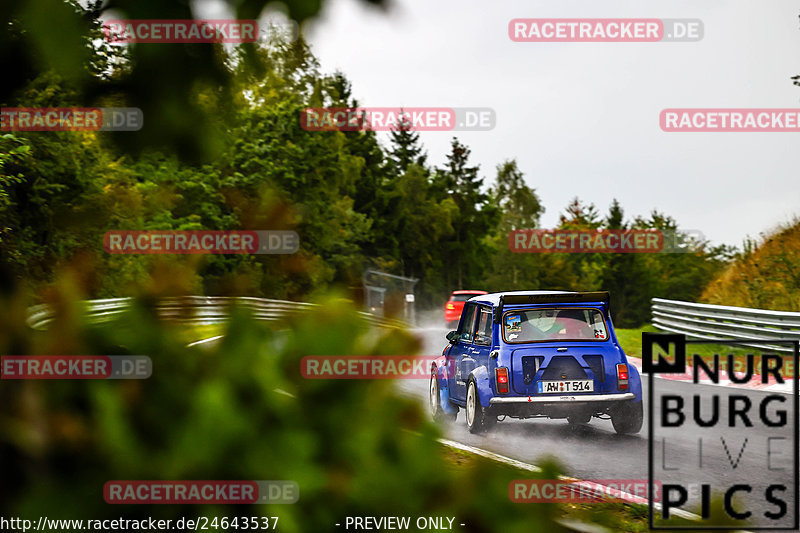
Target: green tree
681,275
421,224
475,217
616,216
519,207
626,277
165,80
14,152
586,268
405,149
578,215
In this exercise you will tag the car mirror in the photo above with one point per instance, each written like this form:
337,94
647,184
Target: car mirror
452,337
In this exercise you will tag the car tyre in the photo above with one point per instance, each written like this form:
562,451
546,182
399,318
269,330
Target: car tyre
628,418
479,419
435,401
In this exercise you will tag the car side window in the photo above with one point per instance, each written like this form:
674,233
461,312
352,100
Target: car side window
483,334
467,323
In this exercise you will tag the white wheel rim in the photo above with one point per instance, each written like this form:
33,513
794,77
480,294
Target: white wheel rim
433,395
470,404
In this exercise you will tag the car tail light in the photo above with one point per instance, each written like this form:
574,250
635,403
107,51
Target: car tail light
501,375
622,376
450,306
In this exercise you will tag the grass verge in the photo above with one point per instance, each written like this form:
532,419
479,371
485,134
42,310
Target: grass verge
578,517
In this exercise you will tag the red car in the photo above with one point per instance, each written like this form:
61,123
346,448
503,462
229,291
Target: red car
454,306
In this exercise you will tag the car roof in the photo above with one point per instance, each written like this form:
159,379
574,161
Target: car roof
494,298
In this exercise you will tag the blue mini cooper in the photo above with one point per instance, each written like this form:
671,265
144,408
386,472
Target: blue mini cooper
531,354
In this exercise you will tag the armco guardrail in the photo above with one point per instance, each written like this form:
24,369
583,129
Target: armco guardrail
199,310
703,321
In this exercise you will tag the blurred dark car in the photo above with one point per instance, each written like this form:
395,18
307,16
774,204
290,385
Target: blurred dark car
454,306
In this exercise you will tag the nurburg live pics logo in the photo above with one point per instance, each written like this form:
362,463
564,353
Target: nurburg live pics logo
724,434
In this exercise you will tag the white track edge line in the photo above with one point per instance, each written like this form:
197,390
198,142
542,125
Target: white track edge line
201,341
624,496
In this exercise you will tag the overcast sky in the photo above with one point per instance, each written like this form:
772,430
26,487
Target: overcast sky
582,118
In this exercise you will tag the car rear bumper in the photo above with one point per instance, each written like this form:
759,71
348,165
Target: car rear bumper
562,406
452,315
576,398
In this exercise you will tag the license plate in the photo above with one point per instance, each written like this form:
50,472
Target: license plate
575,385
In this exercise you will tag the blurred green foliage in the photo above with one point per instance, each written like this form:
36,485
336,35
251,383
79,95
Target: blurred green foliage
161,79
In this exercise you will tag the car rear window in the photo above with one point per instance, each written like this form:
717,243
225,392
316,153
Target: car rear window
460,297
554,324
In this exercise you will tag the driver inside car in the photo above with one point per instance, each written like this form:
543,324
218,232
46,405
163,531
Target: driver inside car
570,323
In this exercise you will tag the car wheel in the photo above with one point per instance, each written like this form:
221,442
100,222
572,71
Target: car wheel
628,417
434,401
478,418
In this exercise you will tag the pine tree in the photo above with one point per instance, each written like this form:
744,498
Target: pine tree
615,217
578,215
475,216
405,150
624,276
